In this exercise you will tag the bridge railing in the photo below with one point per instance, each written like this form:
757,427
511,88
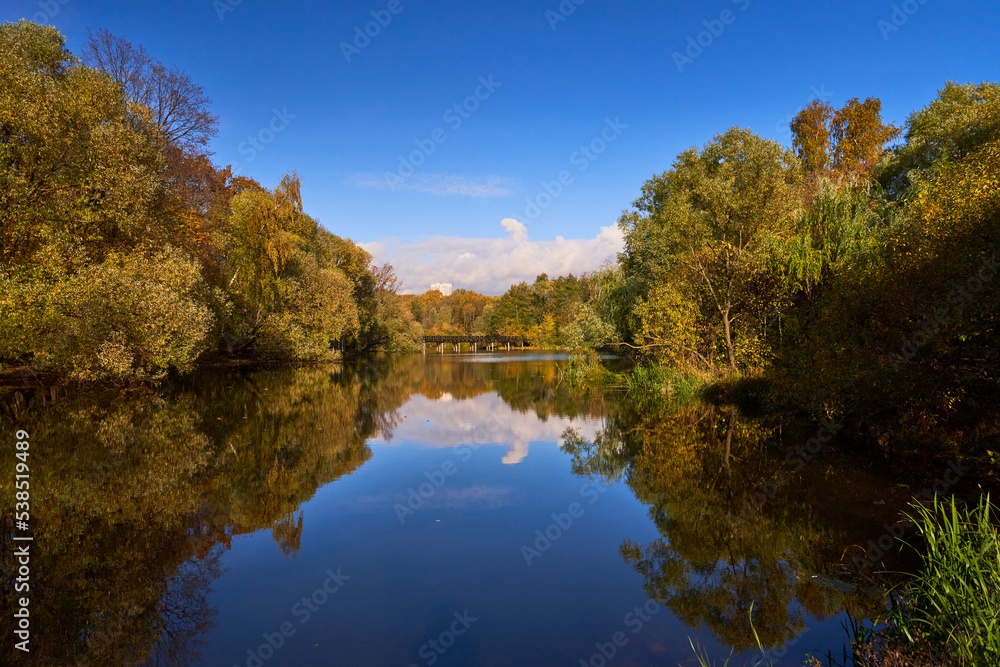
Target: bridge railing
456,340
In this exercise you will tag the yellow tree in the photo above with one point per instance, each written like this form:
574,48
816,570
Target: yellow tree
859,136
811,136
289,296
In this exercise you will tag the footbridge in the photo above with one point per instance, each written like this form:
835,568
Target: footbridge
476,343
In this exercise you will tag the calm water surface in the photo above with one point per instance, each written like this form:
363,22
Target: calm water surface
455,510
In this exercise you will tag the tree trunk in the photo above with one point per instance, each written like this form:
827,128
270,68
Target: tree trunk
729,338
729,440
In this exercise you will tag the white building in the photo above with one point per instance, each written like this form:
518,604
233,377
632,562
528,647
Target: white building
444,288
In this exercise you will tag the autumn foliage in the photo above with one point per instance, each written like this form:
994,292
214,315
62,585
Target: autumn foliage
856,276
125,253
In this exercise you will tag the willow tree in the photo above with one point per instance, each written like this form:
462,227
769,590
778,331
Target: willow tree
902,308
287,296
702,234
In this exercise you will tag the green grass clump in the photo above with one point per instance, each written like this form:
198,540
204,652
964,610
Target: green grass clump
949,613
955,599
585,370
654,381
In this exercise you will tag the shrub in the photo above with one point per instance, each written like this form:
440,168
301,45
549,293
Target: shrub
129,318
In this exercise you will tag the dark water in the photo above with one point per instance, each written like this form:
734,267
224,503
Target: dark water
445,511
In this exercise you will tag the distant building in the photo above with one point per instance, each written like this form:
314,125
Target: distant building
444,288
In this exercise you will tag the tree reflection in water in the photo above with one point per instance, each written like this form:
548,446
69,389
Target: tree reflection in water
696,467
137,494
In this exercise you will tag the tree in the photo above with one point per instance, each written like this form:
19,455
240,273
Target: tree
84,291
962,119
289,297
178,105
586,327
707,225
136,316
859,136
811,136
468,317
77,177
124,253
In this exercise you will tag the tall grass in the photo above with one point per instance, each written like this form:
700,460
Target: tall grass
585,370
955,599
651,381
948,613
644,382
701,655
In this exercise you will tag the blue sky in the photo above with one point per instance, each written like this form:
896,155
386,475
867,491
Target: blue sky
555,86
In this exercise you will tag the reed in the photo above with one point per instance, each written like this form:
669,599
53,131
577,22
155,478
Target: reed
954,600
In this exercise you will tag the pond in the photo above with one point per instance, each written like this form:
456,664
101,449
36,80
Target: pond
440,510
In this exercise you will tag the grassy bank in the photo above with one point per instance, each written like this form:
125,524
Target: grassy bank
949,612
946,615
643,382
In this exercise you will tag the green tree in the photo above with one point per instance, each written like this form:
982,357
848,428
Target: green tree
707,225
289,298
79,176
82,209
962,119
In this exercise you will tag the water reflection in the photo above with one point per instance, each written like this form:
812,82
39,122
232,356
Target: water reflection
486,419
724,545
139,494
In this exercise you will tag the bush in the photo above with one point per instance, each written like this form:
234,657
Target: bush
129,318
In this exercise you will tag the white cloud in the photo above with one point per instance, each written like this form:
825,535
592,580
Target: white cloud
491,266
484,420
439,184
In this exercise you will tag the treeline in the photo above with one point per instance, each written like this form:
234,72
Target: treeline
125,253
852,277
561,312
461,312
549,313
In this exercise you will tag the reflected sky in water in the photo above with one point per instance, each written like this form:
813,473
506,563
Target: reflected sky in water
438,510
483,420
